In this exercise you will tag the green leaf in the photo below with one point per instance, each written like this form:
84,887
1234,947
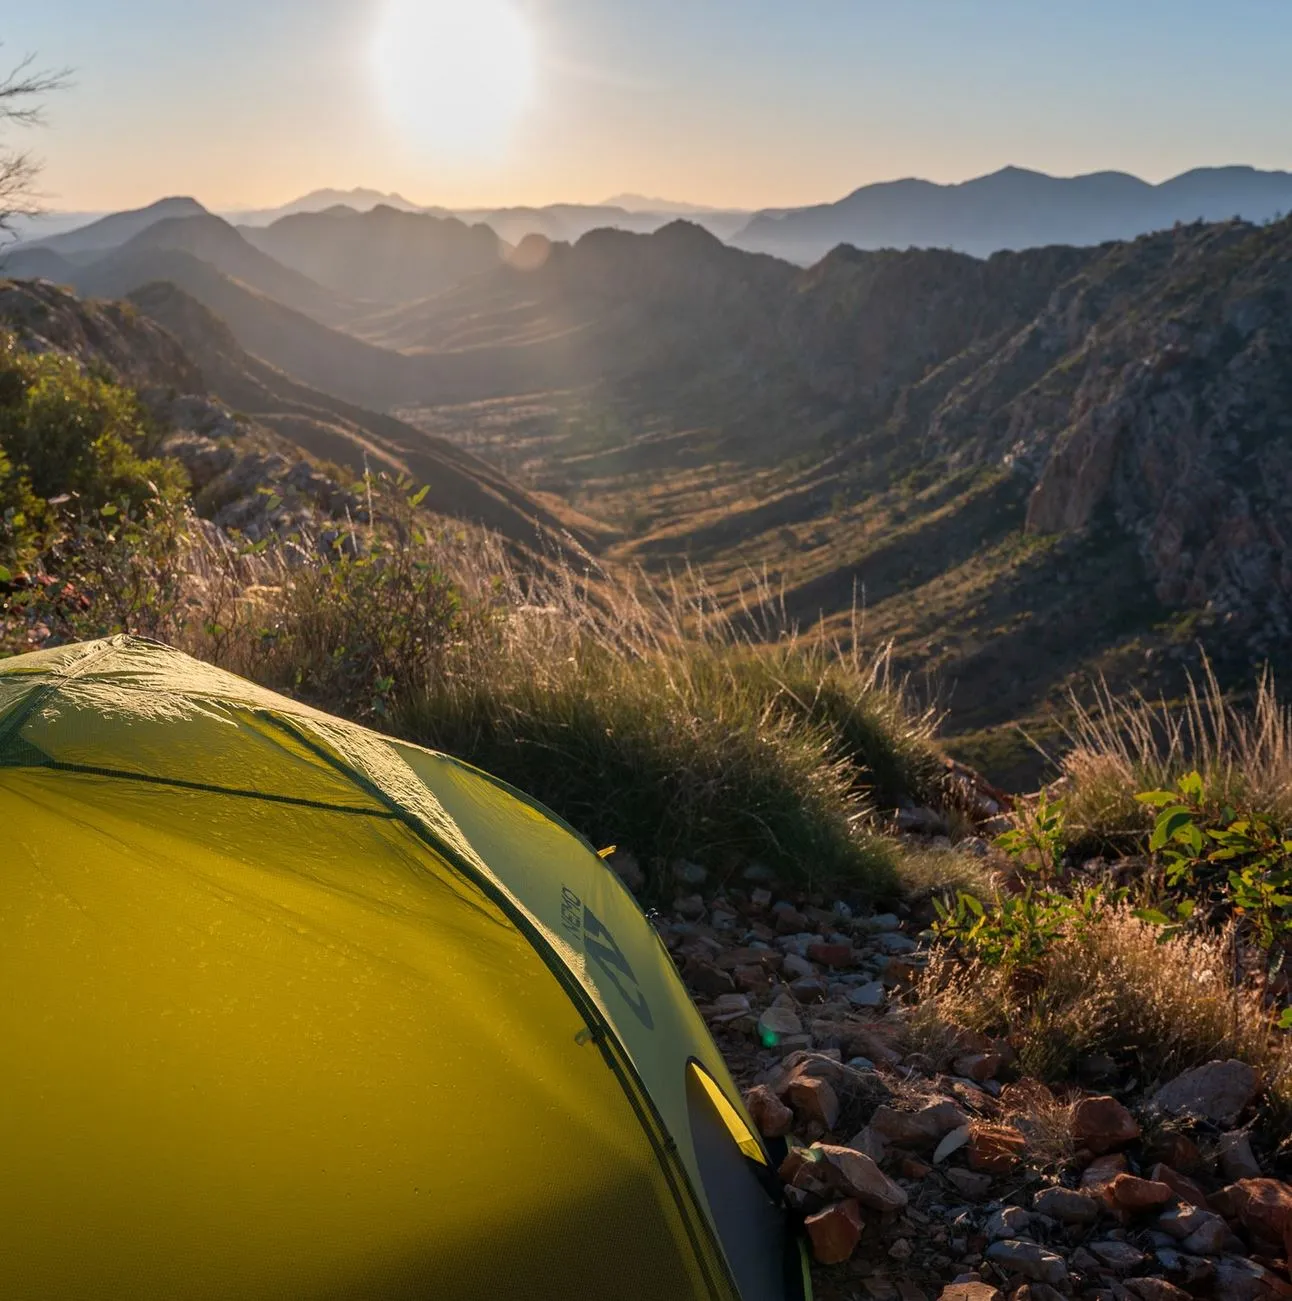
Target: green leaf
1191,836
1153,916
5,575
109,511
1191,786
420,496
1157,798
1169,821
974,905
1285,1021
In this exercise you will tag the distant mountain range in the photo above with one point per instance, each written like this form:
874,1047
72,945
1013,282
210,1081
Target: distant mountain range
1010,209
1016,209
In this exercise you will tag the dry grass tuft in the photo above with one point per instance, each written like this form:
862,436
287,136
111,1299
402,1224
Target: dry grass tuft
1110,987
1120,747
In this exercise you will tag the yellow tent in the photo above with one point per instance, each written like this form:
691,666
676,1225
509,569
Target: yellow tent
289,1010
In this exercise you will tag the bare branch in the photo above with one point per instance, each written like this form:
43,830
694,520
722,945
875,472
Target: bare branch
20,94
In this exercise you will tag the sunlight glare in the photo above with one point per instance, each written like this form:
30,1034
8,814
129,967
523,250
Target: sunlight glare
455,74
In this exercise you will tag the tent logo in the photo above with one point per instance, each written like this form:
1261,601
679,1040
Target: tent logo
598,943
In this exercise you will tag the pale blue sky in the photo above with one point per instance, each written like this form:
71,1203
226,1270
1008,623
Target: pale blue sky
731,102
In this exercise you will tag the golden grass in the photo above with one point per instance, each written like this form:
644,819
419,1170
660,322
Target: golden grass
1120,747
1110,987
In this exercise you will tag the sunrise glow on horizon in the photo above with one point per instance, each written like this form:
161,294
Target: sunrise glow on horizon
731,103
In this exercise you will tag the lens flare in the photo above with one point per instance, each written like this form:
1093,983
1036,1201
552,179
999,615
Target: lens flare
455,75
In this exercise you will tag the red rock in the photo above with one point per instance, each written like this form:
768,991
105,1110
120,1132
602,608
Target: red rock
831,955
771,1117
835,1232
1177,1150
768,959
856,1175
1103,1125
971,1292
815,1100
914,1168
1264,1207
1183,1187
790,922
708,980
925,1128
995,1149
753,980
978,1066
1127,1193
973,1187
1155,1289
1103,1170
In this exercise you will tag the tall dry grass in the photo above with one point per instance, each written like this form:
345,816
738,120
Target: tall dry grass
1111,988
646,716
1119,747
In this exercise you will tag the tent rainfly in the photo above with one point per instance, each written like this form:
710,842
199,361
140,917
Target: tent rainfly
294,1011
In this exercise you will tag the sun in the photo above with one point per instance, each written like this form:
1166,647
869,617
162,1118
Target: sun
455,75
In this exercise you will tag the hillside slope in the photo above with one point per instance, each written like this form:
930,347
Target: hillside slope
385,254
164,343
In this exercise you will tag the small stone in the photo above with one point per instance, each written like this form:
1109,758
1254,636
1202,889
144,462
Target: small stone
709,980
1120,1257
1008,1222
777,1022
1190,1272
790,922
1128,1193
1208,1239
856,1175
868,995
815,1100
692,906
1103,1171
972,1187
831,955
1181,1221
771,1117
870,1143
1218,1091
901,1249
918,1129
995,1149
896,943
882,922
691,874
1031,1260
978,1066
1183,1187
1239,1279
975,1291
1066,1205
915,1169
1237,1160
1103,1124
730,1007
760,898
835,1232
1155,1289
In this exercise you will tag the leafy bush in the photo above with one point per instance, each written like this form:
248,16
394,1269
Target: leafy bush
93,521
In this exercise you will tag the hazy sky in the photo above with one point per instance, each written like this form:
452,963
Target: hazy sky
731,102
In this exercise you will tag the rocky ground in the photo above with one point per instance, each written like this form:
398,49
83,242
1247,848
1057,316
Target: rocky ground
923,1166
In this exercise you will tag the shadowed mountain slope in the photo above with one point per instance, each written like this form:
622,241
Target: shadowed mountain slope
384,254
459,484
